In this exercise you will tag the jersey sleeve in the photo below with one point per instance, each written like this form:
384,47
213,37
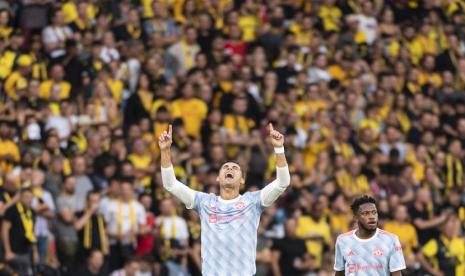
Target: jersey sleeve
272,191
178,189
339,262
396,259
199,199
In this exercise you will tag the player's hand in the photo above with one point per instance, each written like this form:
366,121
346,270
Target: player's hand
277,139
166,138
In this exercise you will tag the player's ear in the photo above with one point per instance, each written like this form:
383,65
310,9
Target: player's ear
242,182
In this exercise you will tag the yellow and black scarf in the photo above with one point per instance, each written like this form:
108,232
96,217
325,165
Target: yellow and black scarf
27,221
6,197
454,173
101,231
167,242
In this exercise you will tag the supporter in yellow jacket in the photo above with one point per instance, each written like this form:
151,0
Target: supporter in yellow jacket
401,227
9,150
142,161
330,15
316,231
57,74
7,60
17,82
445,253
193,110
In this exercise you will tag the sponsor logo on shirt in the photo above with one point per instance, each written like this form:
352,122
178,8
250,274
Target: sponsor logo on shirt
214,218
354,268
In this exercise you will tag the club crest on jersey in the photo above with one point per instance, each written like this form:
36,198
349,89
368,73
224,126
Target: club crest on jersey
378,252
239,205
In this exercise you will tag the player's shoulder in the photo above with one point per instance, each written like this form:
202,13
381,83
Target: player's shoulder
203,198
387,235
203,195
251,194
345,236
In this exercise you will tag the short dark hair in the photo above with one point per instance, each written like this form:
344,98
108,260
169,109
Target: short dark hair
66,177
92,192
24,190
132,260
144,195
360,201
127,180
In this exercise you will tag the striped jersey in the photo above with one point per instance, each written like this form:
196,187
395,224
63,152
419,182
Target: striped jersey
377,256
229,233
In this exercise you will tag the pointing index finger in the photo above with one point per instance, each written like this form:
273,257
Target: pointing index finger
170,130
271,127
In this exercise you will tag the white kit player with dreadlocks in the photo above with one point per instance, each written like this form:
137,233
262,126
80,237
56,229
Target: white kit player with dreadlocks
368,250
229,222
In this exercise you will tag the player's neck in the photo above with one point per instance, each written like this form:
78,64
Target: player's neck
228,194
364,234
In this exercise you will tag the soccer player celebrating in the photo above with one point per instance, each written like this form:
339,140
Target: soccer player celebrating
229,222
368,250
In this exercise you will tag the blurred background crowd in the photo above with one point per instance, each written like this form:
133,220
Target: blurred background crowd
369,94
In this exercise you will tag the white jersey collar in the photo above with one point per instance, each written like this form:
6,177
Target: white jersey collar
228,200
365,240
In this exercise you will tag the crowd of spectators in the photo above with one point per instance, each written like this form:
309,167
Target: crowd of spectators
369,94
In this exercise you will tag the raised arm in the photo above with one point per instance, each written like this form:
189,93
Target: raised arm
170,183
273,190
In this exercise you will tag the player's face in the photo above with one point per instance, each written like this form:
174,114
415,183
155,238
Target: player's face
367,217
230,175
